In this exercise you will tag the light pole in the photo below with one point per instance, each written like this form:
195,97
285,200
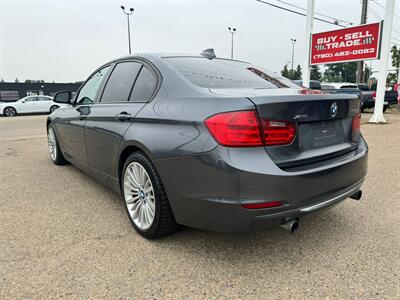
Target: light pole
128,13
293,42
232,30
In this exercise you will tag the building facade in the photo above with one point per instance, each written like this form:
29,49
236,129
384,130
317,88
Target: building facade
12,91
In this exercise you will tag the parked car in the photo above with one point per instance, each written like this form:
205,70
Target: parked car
210,143
29,104
368,97
314,84
363,87
339,85
350,90
327,88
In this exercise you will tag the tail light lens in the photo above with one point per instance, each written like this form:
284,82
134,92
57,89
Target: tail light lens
356,127
278,132
235,129
307,91
244,129
373,95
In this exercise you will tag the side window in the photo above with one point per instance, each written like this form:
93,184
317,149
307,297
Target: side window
120,83
144,87
89,90
31,99
44,99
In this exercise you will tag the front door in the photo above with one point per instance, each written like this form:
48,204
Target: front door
71,127
28,104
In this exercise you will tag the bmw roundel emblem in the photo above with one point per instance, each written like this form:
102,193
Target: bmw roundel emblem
334,109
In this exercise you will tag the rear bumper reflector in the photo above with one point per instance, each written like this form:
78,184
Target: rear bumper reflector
262,205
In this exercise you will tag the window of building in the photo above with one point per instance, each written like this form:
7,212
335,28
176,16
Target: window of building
9,95
34,92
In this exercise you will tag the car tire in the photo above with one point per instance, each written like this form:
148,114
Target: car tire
54,149
53,108
145,200
385,108
9,111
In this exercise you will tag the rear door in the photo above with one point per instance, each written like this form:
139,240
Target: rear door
44,104
128,89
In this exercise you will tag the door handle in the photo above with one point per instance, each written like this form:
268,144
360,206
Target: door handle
123,116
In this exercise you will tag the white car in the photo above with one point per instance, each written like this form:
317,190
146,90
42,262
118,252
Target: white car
29,104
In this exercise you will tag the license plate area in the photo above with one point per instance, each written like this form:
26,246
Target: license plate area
324,134
321,134
314,141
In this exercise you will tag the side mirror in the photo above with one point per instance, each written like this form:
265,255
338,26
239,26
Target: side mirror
23,101
63,97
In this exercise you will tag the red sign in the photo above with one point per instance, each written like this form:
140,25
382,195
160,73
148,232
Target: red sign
349,44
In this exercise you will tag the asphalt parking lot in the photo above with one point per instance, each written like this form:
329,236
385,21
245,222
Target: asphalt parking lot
64,235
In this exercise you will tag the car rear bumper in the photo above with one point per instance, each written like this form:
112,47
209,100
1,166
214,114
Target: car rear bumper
207,191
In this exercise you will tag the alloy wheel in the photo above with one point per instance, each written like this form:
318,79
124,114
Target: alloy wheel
9,111
51,137
139,195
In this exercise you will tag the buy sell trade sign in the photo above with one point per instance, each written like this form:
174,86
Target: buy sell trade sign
348,44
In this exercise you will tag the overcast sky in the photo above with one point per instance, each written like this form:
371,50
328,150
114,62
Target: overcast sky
66,40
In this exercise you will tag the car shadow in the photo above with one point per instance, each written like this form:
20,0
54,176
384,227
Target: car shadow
317,233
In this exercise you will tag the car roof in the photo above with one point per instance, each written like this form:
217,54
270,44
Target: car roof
157,56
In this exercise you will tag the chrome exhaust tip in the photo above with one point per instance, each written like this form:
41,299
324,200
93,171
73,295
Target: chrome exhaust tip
291,226
357,195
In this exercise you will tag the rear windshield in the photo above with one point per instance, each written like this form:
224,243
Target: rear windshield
223,73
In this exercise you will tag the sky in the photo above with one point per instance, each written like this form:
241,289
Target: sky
64,41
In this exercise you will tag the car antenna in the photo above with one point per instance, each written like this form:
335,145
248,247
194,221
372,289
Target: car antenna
208,53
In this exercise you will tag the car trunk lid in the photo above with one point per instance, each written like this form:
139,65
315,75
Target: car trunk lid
323,123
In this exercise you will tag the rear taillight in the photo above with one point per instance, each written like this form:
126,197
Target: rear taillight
235,129
278,132
244,129
373,95
356,127
262,205
307,91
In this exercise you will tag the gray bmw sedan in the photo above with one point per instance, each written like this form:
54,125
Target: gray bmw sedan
210,143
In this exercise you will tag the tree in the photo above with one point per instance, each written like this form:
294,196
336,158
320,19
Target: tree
285,71
16,80
291,74
367,73
297,73
341,72
395,56
315,73
392,77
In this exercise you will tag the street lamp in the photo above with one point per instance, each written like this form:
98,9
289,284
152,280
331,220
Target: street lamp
232,30
293,42
128,13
